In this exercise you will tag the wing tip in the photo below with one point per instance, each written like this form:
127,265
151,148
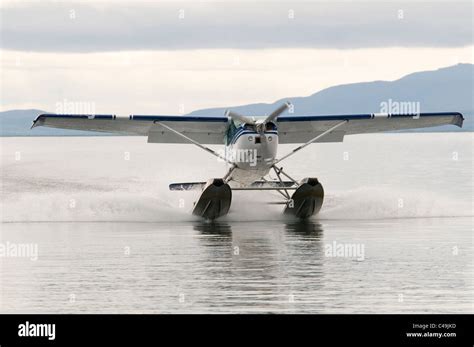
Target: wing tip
458,119
35,121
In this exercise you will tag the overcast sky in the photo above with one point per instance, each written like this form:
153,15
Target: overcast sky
166,57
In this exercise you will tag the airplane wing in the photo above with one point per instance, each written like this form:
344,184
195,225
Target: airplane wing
211,130
301,129
205,130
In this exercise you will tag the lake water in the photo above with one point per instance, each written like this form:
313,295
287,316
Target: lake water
395,233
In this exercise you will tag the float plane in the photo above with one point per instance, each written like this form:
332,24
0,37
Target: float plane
251,144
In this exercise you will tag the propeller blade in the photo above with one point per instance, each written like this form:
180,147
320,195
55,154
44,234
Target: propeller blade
277,112
239,117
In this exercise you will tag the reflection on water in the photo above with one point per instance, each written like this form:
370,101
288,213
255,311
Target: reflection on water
217,228
257,266
308,228
239,267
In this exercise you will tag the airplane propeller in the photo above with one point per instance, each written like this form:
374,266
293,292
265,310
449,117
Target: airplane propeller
239,117
260,125
277,112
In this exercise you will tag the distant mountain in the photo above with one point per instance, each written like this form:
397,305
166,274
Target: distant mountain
445,89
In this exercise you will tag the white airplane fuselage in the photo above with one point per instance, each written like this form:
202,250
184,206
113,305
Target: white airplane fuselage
253,154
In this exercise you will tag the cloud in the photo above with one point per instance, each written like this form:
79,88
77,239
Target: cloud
172,82
115,26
